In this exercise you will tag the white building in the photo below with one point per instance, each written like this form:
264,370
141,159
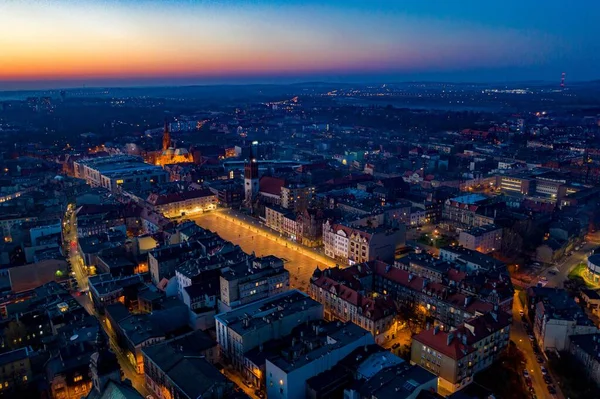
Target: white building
484,239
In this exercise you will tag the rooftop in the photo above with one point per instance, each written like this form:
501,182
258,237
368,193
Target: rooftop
258,314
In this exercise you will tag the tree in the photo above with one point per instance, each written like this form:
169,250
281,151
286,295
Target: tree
410,314
14,334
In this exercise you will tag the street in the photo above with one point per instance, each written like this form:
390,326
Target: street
83,298
300,261
519,336
568,263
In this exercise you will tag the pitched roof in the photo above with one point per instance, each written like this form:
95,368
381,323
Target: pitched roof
271,185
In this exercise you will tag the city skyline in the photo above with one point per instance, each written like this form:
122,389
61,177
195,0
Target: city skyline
125,43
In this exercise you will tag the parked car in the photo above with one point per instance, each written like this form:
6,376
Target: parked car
548,379
521,313
551,390
259,393
525,373
539,359
544,371
531,337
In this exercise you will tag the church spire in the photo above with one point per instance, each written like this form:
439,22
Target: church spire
166,141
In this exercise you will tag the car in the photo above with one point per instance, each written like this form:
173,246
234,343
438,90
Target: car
531,337
539,359
525,373
531,389
259,393
528,382
521,313
548,379
544,371
533,396
551,390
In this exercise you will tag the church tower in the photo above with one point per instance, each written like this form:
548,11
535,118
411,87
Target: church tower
251,177
166,141
103,364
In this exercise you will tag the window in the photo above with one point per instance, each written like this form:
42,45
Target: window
78,378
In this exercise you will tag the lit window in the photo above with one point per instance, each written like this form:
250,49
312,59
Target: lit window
78,378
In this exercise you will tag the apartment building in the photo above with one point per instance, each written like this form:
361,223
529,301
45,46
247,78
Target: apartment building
251,325
346,302
282,221
456,355
484,239
361,244
309,354
296,196
471,210
262,278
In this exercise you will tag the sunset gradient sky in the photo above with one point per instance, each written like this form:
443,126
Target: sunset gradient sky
191,41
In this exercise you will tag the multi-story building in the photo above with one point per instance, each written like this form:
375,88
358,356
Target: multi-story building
251,325
106,289
455,355
296,196
471,210
342,302
282,221
484,239
357,245
310,354
166,366
310,227
163,261
183,203
262,278
556,318
471,260
119,172
15,370
585,349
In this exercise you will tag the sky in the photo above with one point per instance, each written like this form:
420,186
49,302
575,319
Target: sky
62,43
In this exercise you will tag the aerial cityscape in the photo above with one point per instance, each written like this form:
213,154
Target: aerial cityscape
299,199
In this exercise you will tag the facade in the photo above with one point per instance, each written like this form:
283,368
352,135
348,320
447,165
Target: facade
484,239
296,197
286,376
121,171
243,284
557,318
251,179
472,210
282,221
585,349
249,326
183,203
455,356
106,289
15,369
358,245
341,302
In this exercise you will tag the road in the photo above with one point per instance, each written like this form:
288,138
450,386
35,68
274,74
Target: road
300,261
77,265
568,263
519,336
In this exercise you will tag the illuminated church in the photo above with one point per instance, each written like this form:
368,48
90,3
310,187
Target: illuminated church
169,154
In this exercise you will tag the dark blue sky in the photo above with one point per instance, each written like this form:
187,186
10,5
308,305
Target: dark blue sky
194,41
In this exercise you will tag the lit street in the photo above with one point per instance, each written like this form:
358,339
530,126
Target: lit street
519,336
300,261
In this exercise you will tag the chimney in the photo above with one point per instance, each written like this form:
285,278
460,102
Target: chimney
436,330
449,338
